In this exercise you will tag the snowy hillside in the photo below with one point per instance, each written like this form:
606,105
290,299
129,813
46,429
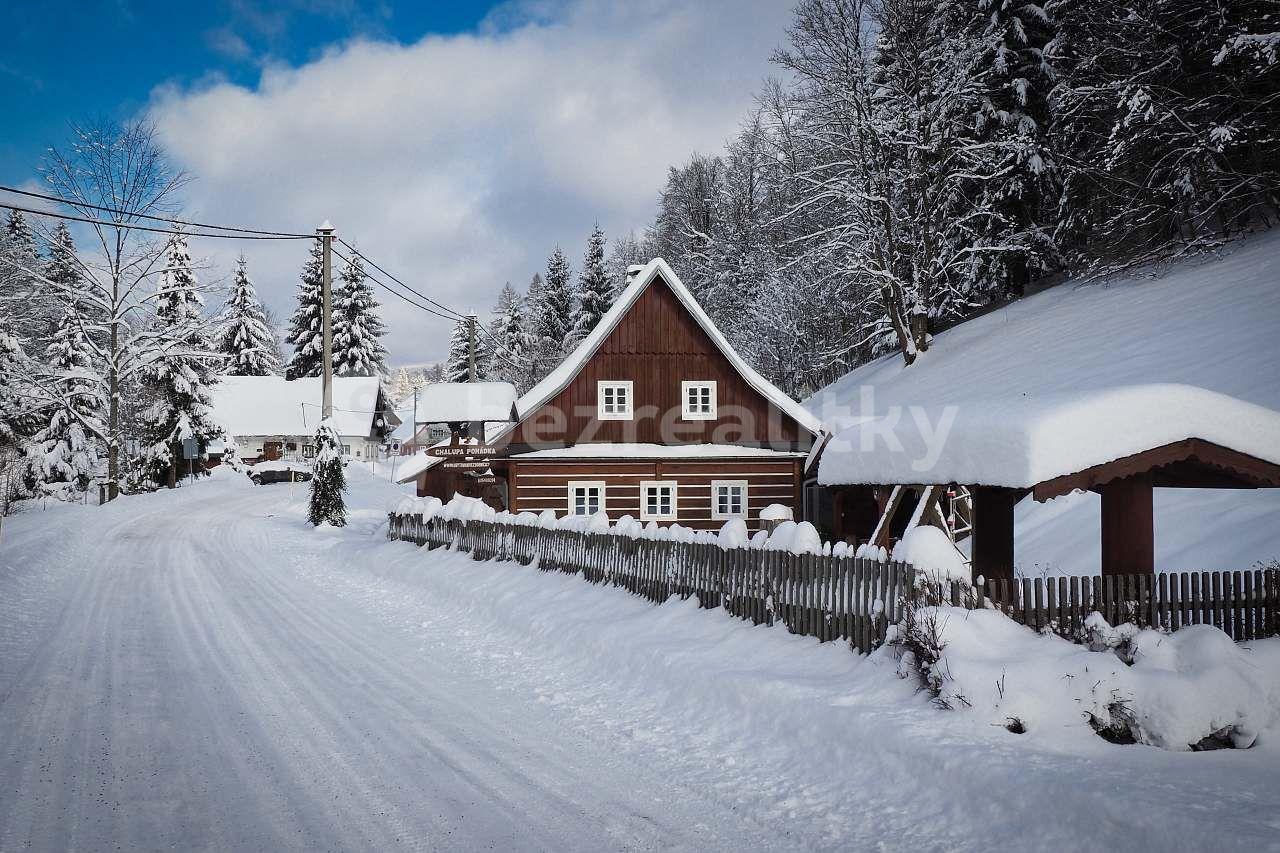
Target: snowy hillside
1210,322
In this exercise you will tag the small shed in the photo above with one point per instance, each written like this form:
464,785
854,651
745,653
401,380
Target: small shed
1120,442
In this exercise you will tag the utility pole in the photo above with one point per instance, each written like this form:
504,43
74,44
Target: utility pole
471,347
325,233
414,437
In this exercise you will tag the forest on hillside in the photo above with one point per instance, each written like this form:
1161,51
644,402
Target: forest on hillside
917,161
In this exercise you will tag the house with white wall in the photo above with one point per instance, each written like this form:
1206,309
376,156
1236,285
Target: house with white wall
271,417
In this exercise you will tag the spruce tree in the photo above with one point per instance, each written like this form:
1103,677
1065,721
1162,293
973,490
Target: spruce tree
357,329
457,364
180,374
551,315
246,339
305,327
64,455
594,292
328,480
510,340
29,305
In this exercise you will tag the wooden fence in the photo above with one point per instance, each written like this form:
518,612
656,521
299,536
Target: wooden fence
1244,604
853,599
831,598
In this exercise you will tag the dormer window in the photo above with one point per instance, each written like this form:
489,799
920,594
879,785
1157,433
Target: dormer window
613,400
698,401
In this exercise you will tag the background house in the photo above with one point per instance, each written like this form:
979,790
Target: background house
271,417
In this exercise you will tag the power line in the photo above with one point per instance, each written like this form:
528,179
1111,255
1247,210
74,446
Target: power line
394,292
499,350
151,217
374,264
149,228
457,315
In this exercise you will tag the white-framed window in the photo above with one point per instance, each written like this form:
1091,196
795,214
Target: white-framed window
728,499
586,497
613,400
698,401
308,451
658,500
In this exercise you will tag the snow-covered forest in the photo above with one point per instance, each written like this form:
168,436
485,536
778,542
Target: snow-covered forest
919,161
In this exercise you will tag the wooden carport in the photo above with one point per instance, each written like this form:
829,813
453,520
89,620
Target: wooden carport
1125,486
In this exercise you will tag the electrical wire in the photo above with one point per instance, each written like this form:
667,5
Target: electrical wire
172,221
374,264
148,228
499,350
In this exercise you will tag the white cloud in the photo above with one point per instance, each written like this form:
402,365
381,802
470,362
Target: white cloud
459,162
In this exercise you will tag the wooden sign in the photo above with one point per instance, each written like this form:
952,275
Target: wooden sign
454,465
464,450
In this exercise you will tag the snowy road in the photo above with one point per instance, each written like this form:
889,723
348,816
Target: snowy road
190,692
201,670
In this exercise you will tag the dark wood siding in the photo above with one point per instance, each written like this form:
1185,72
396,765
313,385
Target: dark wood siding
656,346
539,485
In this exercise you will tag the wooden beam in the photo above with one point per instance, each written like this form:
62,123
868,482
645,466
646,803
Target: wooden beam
993,531
1128,528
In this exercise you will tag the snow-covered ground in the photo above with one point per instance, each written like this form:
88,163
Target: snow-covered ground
1209,322
200,669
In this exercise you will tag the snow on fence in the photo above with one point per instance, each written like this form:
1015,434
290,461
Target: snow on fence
848,598
851,598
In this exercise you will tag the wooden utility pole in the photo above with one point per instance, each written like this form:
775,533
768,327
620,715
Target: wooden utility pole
325,233
471,347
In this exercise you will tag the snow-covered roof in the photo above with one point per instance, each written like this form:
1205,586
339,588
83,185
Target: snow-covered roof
1023,440
605,450
271,405
466,401
1077,373
564,373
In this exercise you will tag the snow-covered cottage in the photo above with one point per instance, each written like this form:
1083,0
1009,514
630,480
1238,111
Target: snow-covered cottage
1123,426
271,417
653,415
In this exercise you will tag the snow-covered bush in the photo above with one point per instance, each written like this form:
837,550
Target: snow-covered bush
1181,691
328,480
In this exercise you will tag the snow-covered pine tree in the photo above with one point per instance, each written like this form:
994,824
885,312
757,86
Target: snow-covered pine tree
328,480
1168,124
179,376
457,365
64,455
245,338
594,293
510,340
401,385
551,315
357,329
14,372
305,326
31,308
1005,200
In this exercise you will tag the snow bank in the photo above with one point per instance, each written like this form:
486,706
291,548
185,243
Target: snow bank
931,551
1180,688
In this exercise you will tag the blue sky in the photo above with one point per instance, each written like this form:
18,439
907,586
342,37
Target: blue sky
62,60
455,143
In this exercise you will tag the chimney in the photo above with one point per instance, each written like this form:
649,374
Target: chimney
633,271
